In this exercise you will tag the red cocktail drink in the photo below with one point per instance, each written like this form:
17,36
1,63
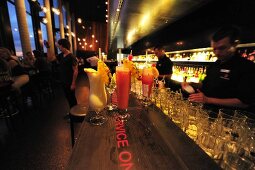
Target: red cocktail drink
123,80
147,81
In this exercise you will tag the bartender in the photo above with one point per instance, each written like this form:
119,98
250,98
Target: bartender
164,65
230,80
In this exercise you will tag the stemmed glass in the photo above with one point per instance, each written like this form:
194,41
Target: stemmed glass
97,96
98,119
147,82
111,88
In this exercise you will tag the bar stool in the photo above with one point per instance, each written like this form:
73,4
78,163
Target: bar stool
77,114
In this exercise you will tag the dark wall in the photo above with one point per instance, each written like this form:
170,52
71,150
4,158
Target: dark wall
194,30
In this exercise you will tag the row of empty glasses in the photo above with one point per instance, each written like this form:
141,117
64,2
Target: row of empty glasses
228,136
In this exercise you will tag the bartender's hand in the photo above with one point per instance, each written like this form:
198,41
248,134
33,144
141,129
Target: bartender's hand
198,97
183,84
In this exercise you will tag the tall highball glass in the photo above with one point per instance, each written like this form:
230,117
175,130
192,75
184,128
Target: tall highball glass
123,80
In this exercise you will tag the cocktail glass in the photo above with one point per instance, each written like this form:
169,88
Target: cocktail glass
123,80
147,83
111,88
97,96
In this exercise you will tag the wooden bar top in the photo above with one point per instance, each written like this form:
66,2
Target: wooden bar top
149,140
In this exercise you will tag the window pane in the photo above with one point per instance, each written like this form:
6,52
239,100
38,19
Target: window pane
31,32
55,3
56,18
15,29
44,35
27,6
41,2
64,15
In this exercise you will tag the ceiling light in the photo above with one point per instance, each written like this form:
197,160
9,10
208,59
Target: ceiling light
106,20
56,11
43,19
44,9
79,20
83,27
67,27
96,41
93,36
118,9
106,2
78,39
106,16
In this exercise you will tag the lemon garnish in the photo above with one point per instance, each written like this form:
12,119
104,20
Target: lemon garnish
90,70
103,69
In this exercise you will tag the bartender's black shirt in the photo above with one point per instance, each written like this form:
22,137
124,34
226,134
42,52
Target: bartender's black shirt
231,79
164,65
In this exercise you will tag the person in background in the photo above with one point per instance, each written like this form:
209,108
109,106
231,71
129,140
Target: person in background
68,69
230,80
41,63
164,65
29,60
19,76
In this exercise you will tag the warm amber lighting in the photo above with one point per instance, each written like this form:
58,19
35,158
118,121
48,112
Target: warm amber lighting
179,43
73,34
67,34
90,46
106,20
86,43
106,2
106,16
67,27
83,27
79,20
44,9
83,39
82,46
79,43
96,41
118,9
144,23
93,36
78,39
56,11
44,20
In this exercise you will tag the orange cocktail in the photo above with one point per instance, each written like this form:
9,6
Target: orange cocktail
123,80
147,81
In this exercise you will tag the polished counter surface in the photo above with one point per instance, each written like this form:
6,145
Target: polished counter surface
148,140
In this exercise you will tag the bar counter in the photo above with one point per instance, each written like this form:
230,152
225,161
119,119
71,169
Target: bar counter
148,140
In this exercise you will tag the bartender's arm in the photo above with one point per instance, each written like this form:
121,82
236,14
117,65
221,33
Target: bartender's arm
230,102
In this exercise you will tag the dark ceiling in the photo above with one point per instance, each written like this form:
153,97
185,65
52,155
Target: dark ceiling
194,30
89,10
